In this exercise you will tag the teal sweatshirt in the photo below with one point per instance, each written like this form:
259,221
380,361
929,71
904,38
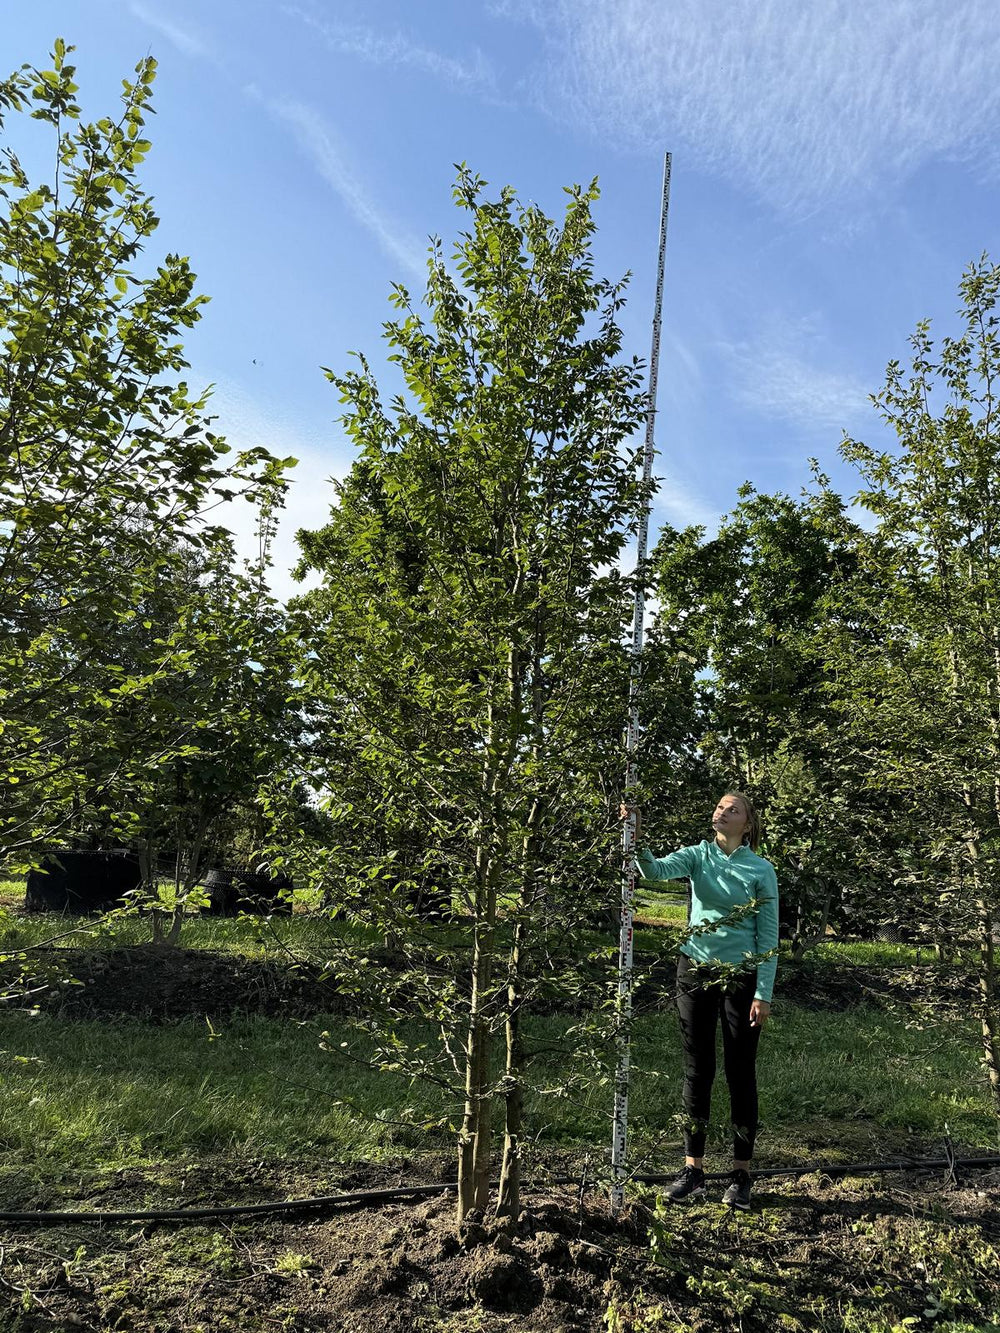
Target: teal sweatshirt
718,884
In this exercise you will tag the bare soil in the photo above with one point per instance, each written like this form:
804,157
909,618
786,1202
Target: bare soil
812,1254
163,985
159,985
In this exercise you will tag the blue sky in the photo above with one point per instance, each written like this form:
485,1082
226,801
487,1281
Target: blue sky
835,167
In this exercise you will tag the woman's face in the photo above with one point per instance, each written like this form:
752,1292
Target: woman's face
730,818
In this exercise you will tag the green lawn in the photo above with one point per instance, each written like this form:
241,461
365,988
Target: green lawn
253,937
88,1094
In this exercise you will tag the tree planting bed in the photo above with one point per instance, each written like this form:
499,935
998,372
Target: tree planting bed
861,1254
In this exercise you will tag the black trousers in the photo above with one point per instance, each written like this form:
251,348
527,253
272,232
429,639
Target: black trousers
700,1007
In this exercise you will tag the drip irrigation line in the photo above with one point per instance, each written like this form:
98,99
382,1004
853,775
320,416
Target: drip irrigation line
241,1209
855,1169
443,1187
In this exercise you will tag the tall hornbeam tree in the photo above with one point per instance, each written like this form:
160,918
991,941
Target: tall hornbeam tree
914,637
466,650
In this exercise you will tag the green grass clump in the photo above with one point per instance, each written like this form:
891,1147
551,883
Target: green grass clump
86,1092
259,938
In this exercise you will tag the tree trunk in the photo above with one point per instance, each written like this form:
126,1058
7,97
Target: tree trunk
474,1136
803,942
530,902
986,979
160,934
988,1016
503,731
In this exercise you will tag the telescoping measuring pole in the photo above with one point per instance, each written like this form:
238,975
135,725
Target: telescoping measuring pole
624,1012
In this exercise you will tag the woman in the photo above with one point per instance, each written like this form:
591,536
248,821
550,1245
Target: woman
726,874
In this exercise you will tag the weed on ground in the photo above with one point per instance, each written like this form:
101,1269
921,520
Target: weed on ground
863,1255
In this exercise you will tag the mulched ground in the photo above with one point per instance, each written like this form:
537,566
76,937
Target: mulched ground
811,1252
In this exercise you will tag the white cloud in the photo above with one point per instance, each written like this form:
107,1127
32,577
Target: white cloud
398,50
773,376
186,41
316,139
803,104
678,506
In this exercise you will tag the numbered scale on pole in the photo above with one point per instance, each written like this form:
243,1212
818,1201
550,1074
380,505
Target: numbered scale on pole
624,1007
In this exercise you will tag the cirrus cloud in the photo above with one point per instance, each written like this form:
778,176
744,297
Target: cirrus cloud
800,103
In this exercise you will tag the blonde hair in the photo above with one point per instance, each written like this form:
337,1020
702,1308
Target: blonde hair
752,835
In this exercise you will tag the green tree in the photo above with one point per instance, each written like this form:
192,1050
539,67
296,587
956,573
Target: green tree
109,467
914,640
737,618
219,726
466,644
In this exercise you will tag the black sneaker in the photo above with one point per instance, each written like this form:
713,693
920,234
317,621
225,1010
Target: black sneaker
690,1184
738,1193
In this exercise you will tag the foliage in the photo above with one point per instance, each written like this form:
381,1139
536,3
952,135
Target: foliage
231,702
737,621
465,651
913,636
109,468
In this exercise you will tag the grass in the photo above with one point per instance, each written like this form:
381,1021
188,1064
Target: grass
128,1114
124,1093
871,953
658,915
87,1093
98,1093
251,937
654,907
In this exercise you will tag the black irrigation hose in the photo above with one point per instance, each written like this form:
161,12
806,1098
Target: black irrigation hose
237,1210
857,1169
424,1191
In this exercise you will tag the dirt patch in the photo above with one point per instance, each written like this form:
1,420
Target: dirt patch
160,985
163,985
835,986
809,1251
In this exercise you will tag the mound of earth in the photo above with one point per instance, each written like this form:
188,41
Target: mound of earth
164,984
160,985
809,1250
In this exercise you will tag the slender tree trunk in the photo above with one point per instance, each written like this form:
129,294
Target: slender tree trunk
989,1017
503,732
474,1136
509,1193
147,869
803,942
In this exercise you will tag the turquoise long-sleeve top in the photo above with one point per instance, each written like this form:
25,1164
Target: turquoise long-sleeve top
718,884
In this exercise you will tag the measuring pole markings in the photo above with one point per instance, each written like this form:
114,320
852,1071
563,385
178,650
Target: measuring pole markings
624,1009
